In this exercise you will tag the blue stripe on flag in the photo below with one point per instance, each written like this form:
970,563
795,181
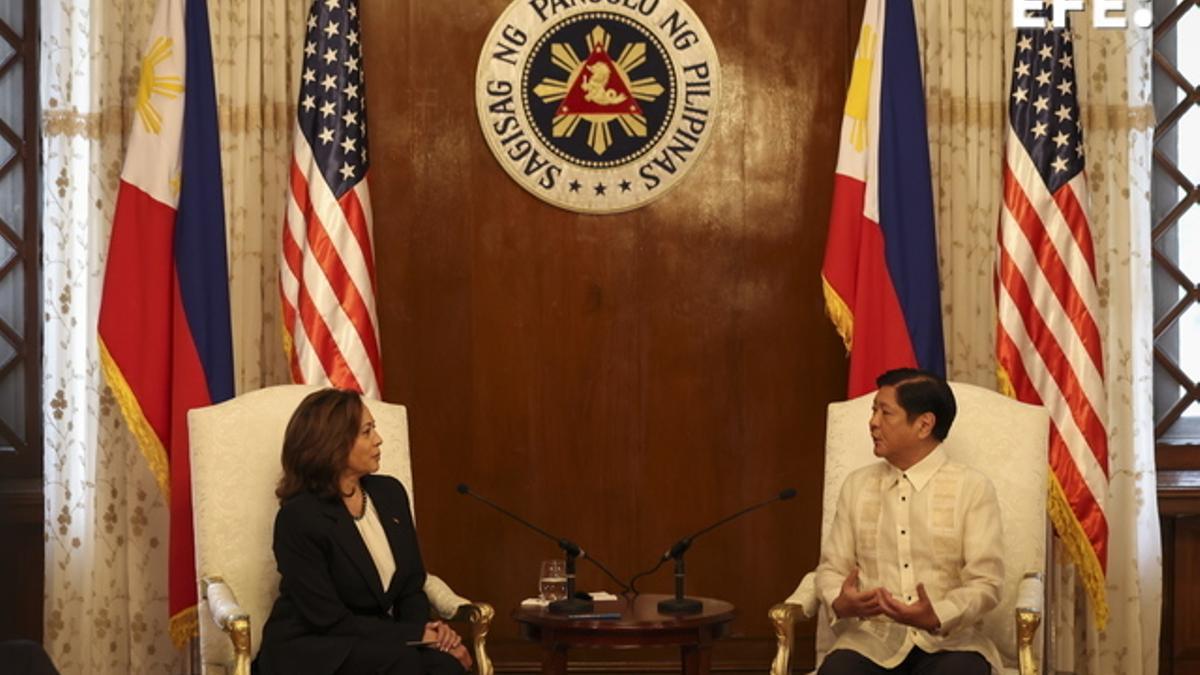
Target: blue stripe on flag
200,223
905,192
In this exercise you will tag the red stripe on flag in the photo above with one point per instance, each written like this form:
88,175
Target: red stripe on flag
1072,212
1053,268
1056,361
319,336
357,219
337,370
293,261
293,258
326,255
1083,503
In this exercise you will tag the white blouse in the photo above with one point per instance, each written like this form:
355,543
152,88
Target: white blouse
376,540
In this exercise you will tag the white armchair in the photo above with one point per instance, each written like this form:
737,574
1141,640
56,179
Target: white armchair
235,464
1004,439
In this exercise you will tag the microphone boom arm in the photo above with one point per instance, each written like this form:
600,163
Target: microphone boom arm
684,544
569,547
571,604
683,605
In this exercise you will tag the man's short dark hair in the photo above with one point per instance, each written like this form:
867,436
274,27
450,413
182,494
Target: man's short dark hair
920,392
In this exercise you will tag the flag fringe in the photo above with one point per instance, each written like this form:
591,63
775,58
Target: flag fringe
148,442
1069,529
1079,546
839,313
1004,384
289,345
184,626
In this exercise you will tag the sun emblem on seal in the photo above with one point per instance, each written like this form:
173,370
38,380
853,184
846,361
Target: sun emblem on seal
599,90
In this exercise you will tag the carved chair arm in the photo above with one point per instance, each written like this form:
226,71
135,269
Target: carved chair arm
1030,594
479,615
230,617
783,619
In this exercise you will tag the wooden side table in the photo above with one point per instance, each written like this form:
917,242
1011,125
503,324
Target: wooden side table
640,625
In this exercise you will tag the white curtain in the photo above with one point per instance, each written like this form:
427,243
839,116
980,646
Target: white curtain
106,522
967,51
256,50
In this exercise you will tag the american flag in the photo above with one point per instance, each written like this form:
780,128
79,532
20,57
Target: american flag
1048,344
327,273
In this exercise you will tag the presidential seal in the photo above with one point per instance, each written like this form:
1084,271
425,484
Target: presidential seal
598,106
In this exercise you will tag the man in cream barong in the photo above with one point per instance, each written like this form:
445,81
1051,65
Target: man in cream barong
912,561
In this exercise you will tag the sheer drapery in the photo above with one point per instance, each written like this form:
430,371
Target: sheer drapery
256,49
967,51
106,522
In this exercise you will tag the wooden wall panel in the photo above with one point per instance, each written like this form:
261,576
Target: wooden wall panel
1179,510
21,573
1180,640
622,380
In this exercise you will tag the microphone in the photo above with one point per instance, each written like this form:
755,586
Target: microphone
680,547
680,604
571,604
570,547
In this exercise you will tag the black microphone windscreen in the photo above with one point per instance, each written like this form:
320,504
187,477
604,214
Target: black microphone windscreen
463,489
788,493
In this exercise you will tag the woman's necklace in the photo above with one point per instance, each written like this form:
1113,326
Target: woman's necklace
363,511
348,496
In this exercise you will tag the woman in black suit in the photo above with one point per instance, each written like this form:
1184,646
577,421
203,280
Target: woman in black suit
350,598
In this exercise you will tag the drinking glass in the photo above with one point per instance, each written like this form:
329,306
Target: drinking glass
552,582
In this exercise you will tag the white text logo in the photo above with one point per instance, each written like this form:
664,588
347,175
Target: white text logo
1105,13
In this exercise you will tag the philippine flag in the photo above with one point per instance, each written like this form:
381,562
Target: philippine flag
880,273
164,323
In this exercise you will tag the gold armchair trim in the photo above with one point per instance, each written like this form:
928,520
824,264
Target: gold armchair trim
783,619
1028,618
231,618
479,615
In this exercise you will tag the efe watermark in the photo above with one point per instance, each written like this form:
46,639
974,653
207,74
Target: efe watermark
1105,13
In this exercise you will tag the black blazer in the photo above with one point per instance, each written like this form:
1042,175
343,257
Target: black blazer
330,595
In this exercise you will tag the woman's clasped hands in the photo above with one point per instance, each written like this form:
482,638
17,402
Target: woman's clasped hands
442,637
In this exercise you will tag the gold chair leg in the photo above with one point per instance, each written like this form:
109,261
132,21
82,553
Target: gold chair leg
783,619
239,633
1027,625
480,616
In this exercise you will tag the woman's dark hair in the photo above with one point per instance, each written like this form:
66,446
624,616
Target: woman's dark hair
920,392
317,443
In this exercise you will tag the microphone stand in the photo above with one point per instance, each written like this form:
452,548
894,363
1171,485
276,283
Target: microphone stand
680,604
570,604
684,605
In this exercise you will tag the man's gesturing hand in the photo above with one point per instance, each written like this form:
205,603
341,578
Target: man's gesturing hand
919,614
855,603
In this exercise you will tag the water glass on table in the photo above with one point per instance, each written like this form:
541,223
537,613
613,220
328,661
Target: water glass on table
552,582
